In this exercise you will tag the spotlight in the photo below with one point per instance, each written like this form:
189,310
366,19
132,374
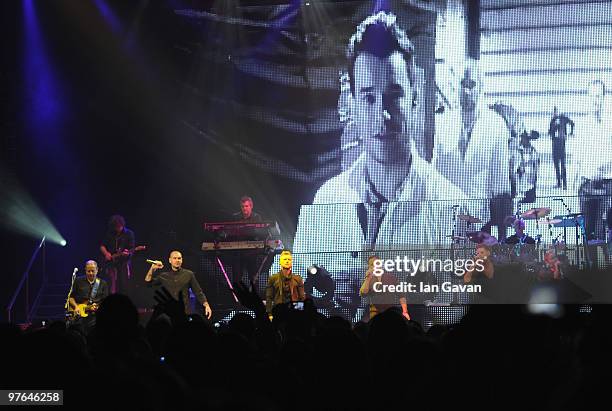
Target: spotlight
20,213
320,287
63,243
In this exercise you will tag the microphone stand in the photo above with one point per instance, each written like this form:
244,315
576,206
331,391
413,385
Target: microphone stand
71,287
453,232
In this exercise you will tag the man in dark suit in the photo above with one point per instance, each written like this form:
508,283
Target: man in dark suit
560,127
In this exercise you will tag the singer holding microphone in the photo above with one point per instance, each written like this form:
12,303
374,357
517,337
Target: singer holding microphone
177,281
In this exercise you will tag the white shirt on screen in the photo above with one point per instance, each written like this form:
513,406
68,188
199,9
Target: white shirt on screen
331,224
594,147
484,171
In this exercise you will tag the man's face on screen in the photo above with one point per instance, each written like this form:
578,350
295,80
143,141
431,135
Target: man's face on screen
469,90
383,106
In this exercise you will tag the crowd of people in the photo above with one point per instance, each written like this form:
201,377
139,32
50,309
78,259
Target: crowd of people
497,357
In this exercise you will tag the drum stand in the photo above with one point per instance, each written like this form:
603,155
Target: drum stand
580,230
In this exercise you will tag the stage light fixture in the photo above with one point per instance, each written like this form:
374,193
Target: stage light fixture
320,286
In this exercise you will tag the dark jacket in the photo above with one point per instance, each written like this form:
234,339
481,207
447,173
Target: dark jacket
81,291
178,283
274,290
558,128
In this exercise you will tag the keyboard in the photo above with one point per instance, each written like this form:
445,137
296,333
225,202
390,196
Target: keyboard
276,245
238,225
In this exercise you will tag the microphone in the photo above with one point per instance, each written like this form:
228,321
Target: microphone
74,271
154,262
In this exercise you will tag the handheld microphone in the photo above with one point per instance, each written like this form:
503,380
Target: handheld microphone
153,261
74,271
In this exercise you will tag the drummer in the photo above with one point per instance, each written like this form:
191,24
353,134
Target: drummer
519,237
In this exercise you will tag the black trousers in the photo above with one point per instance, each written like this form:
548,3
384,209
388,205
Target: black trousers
118,276
558,154
499,207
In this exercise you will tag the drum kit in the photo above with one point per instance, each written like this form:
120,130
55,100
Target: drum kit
525,253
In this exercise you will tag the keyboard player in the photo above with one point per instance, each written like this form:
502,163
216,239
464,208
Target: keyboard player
246,260
246,213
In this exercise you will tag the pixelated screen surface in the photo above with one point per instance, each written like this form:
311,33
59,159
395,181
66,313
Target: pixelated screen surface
395,138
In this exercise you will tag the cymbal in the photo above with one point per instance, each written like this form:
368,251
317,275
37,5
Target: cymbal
537,212
469,219
551,221
457,237
481,237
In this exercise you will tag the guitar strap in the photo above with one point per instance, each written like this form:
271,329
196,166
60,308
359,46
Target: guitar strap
94,289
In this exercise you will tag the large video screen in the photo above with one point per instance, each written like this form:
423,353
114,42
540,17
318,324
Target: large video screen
403,130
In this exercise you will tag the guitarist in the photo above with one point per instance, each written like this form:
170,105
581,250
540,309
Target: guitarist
117,249
89,290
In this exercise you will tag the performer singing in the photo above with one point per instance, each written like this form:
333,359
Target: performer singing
177,281
284,286
87,294
552,267
381,300
483,254
117,249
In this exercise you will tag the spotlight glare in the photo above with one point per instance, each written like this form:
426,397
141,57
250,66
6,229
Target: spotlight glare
63,243
20,213
312,269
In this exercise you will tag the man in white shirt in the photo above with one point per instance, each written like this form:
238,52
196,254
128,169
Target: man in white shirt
471,150
377,202
594,162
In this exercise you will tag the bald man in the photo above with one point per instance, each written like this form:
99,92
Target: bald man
178,281
471,151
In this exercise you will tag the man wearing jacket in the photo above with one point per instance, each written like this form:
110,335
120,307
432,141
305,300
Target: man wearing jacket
284,286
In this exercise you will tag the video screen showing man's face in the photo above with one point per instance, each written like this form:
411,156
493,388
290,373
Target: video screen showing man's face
383,107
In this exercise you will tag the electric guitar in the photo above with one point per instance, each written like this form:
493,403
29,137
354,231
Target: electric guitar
126,252
120,256
82,310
